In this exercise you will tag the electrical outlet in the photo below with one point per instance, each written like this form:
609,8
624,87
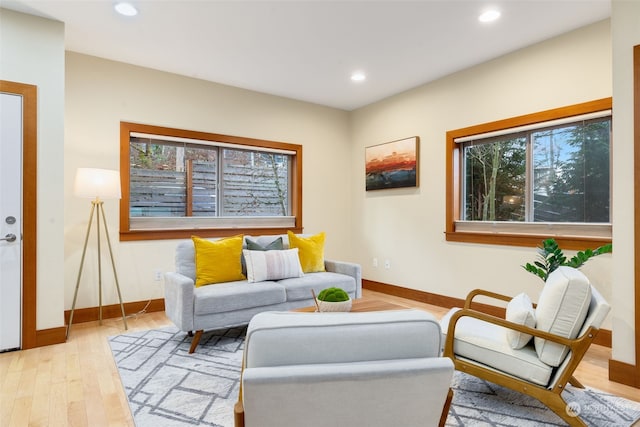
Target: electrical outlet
374,262
387,264
158,275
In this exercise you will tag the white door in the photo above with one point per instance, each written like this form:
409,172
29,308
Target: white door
10,221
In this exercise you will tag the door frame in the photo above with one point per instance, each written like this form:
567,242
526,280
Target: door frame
29,95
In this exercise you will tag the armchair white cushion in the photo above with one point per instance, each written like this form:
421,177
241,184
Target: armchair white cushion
520,310
562,308
344,369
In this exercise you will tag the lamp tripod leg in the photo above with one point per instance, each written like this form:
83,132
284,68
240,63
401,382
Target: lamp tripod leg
84,251
113,264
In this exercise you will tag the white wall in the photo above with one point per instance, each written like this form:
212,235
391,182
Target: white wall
407,226
33,53
625,19
101,93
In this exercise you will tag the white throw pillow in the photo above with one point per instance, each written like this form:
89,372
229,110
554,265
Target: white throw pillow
272,265
520,311
562,309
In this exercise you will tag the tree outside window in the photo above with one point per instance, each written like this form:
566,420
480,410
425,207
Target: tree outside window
558,174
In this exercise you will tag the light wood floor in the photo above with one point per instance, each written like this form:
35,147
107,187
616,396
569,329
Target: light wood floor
77,384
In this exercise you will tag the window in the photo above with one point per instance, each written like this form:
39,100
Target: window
520,180
179,182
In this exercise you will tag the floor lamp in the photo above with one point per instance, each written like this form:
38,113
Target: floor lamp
99,185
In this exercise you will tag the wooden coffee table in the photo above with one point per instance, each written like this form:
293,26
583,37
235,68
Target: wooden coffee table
364,304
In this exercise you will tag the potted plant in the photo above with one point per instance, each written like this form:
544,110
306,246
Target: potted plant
550,257
333,299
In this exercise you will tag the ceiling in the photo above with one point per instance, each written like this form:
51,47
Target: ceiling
307,50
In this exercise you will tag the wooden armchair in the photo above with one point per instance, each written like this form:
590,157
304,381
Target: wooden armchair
476,343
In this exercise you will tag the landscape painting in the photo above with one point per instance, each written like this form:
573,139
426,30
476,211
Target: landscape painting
392,165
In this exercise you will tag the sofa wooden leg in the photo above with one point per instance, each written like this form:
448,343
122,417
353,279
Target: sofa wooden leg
195,341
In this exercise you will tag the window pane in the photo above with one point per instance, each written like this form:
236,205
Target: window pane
255,183
571,173
202,165
157,180
495,180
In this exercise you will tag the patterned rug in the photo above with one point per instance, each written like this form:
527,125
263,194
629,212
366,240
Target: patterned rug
168,387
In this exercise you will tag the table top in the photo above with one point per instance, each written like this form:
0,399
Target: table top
364,304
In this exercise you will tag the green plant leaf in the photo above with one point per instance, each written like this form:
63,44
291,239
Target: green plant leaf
550,257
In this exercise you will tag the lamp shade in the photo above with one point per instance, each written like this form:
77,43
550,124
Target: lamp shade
100,183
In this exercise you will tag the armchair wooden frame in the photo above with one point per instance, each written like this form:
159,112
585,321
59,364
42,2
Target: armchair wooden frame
551,397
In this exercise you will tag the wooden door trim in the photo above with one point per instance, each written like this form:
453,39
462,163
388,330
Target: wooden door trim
29,95
621,372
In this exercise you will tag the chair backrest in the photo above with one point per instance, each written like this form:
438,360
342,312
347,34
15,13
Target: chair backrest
562,308
598,310
289,338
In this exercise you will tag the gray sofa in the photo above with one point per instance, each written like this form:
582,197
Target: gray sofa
234,303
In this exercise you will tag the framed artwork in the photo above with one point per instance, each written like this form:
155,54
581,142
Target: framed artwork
393,164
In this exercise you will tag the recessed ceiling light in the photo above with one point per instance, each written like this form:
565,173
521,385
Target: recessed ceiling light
489,15
358,76
126,9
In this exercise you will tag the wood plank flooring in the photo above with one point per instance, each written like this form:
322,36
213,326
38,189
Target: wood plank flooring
77,384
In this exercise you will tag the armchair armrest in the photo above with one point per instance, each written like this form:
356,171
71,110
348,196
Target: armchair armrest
348,268
481,292
178,300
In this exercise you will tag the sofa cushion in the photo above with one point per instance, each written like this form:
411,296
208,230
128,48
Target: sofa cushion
252,245
311,251
274,245
272,265
300,288
231,296
562,309
487,344
218,261
520,310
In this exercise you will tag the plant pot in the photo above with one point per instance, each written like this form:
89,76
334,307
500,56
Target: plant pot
328,306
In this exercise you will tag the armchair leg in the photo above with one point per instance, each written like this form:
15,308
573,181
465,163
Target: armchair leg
195,341
558,405
574,382
445,409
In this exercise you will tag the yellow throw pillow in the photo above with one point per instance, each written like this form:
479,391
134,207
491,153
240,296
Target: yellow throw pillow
310,251
218,261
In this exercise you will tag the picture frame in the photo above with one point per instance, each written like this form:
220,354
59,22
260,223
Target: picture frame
392,164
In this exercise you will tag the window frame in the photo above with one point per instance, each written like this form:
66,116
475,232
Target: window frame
128,234
531,234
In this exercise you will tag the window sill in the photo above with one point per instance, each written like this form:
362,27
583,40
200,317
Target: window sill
569,236
138,235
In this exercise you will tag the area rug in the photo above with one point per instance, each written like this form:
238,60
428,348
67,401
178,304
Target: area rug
166,386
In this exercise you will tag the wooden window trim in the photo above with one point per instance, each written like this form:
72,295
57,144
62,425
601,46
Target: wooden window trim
453,180
126,234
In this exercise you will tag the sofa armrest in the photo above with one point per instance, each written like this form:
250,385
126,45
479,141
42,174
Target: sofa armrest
348,268
414,392
178,300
